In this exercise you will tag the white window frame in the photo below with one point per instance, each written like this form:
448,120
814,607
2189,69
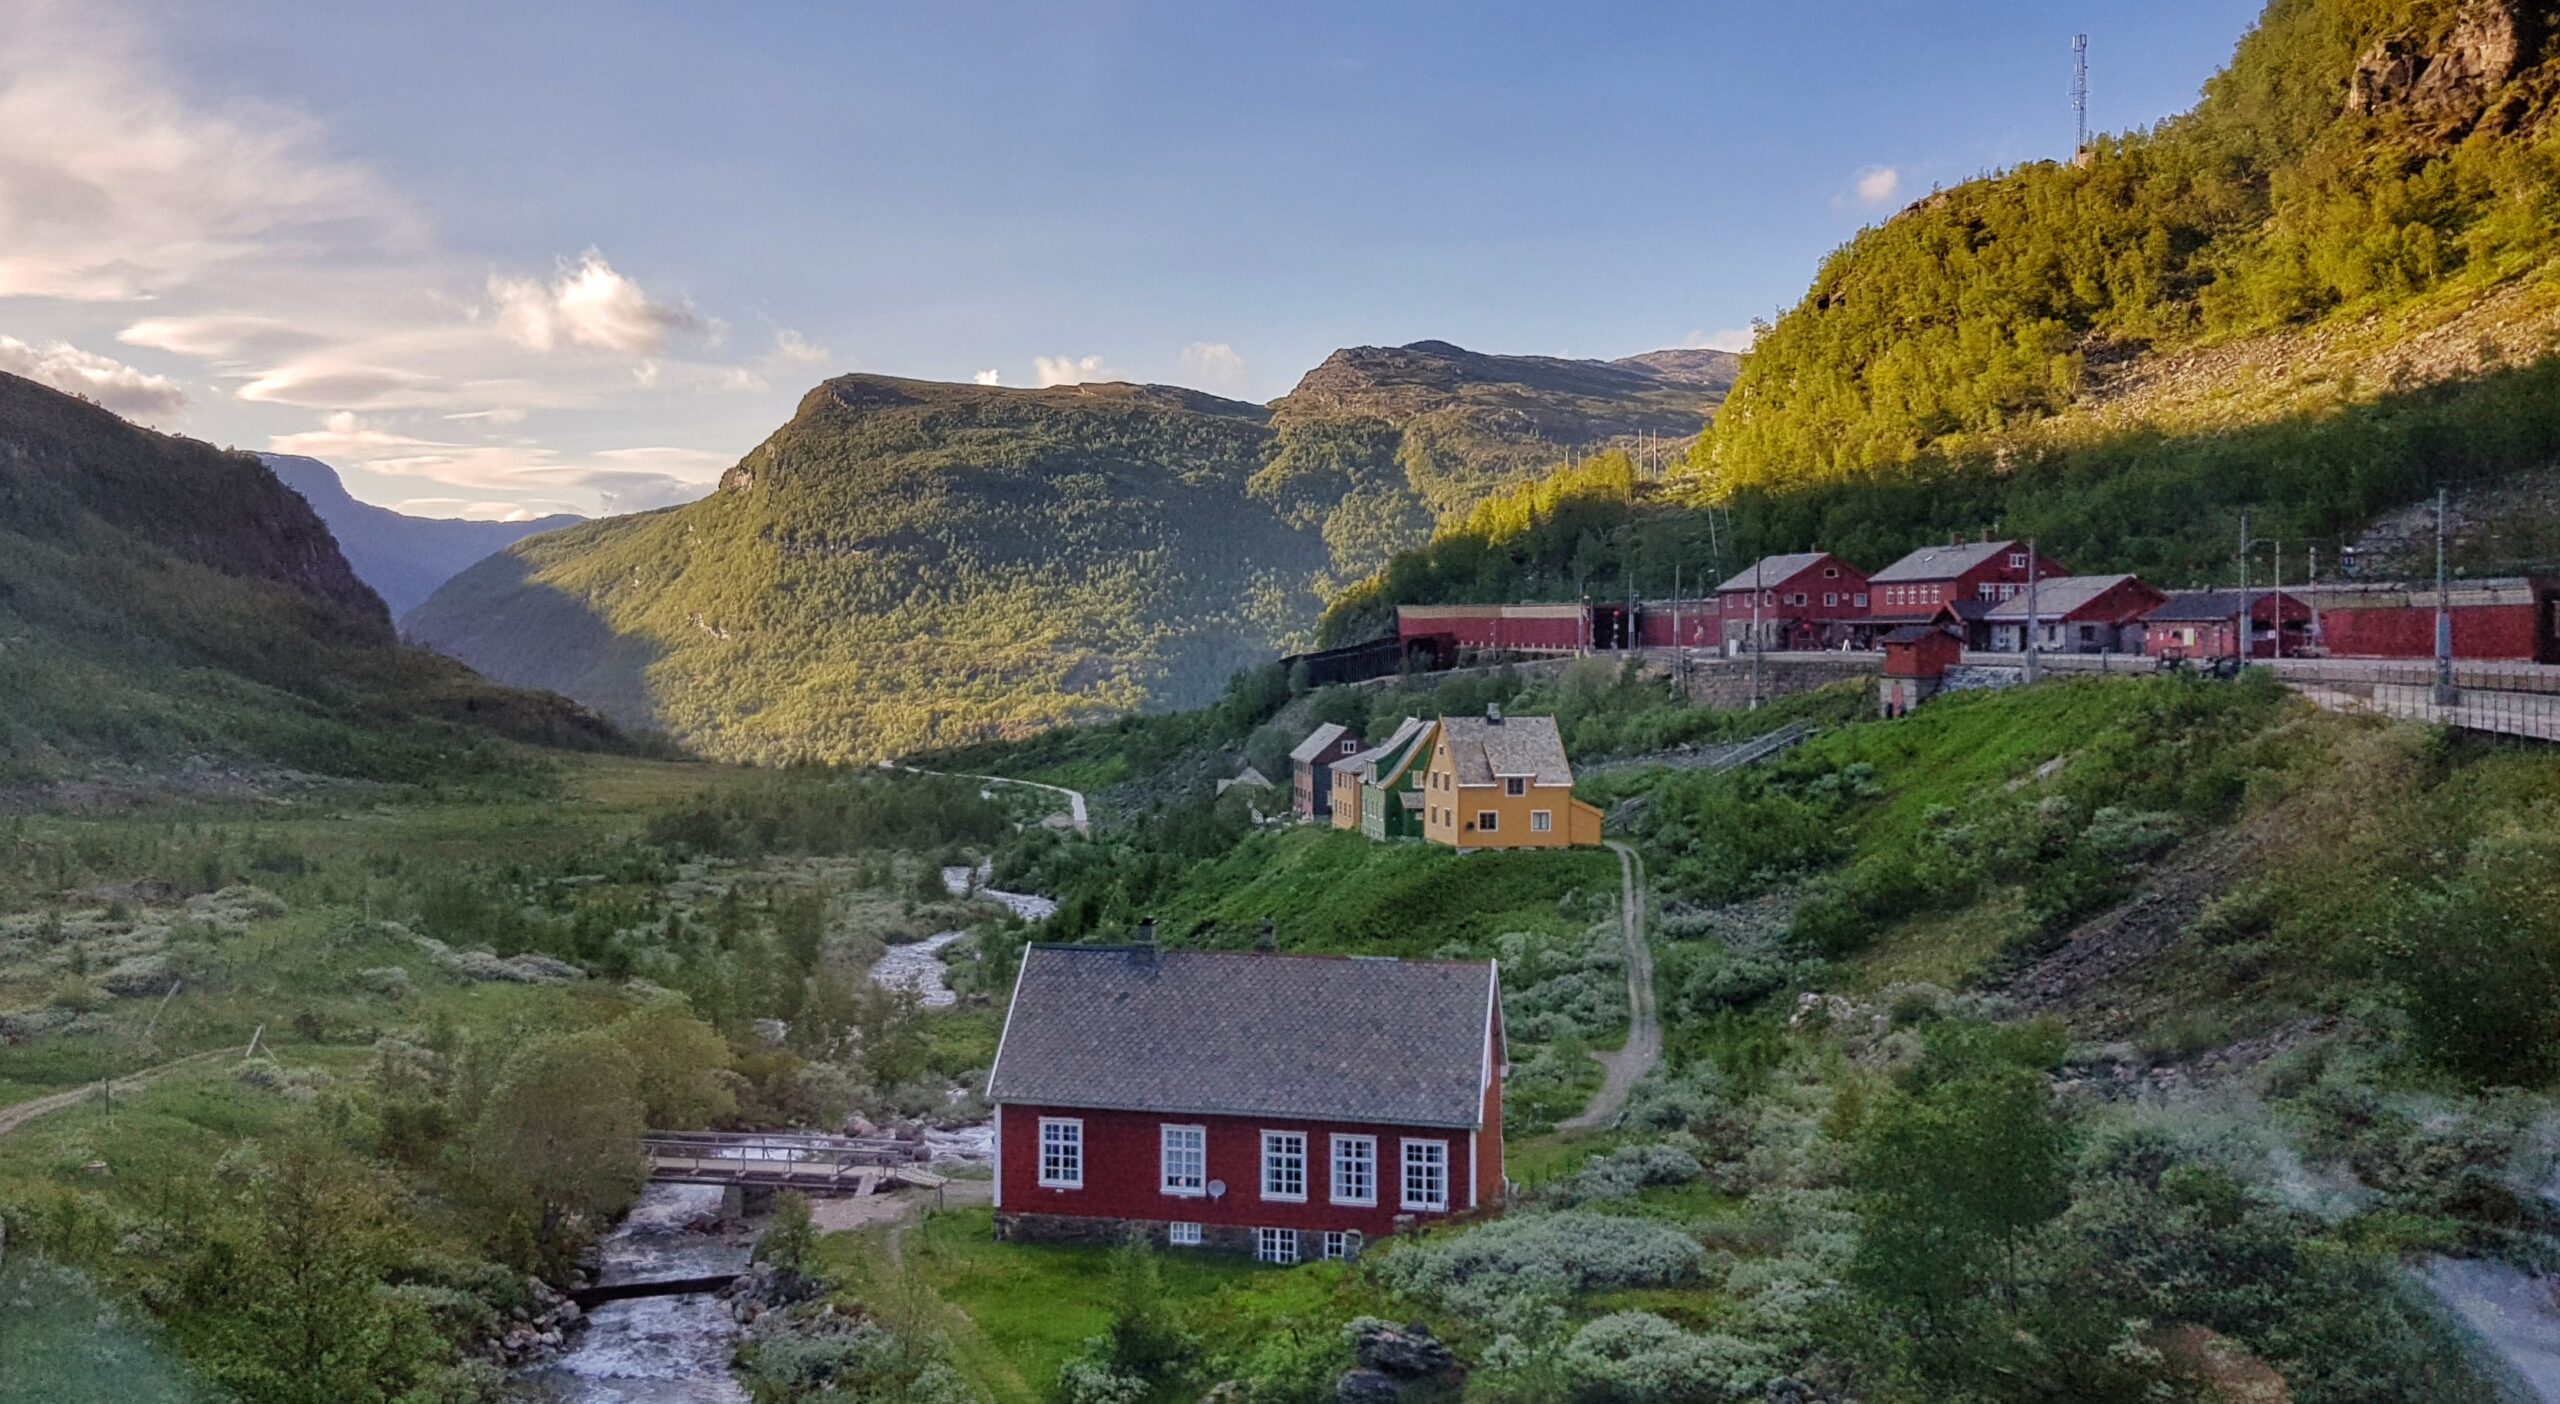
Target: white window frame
1182,1235
1830,599
1272,1140
1276,1246
2017,560
1335,1179
1408,1162
1056,1151
1488,821
1197,1183
1542,821
1515,785
1342,1245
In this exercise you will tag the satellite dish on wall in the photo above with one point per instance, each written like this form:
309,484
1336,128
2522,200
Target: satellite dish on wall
1217,1189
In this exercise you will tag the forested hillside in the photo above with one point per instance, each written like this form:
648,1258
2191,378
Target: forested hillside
403,558
908,564
166,604
2322,294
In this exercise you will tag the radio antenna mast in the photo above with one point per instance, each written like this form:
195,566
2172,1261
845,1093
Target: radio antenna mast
2080,94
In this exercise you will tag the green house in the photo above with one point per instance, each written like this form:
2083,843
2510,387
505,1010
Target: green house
1391,791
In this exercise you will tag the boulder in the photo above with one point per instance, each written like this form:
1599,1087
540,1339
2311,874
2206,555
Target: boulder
1367,1387
140,975
1407,1353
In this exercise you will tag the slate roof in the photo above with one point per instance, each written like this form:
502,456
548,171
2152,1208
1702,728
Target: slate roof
1231,1033
1483,750
1915,633
2056,597
1364,763
1773,571
1318,742
2212,606
1939,562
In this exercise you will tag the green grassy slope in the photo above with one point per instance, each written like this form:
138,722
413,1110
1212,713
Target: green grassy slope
164,604
908,564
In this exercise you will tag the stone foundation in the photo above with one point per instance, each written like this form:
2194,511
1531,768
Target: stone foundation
1725,683
1078,1228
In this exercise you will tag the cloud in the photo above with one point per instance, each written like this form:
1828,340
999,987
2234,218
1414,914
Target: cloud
588,304
1877,185
738,379
1068,370
1729,339
113,187
791,348
216,337
135,394
1214,365
989,377
466,508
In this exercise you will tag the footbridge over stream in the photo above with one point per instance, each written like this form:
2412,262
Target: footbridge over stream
811,1164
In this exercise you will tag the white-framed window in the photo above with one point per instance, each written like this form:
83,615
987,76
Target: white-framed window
1426,1175
1182,1235
1830,599
2017,560
1349,746
1061,1153
1275,1245
1342,1244
1284,1166
1515,786
1487,820
1183,1160
1542,821
1355,1169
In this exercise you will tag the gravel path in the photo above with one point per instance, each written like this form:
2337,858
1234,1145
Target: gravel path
1627,1067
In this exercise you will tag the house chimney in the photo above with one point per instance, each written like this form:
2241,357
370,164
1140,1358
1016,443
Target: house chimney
1268,938
1144,953
1492,714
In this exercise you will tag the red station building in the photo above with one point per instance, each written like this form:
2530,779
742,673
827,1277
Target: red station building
1805,600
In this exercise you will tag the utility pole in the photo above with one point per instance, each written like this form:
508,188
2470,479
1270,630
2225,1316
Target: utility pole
2311,590
2276,605
1758,568
2445,695
2244,589
2032,574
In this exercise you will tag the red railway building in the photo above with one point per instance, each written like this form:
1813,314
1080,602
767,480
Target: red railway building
1806,600
1291,1107
1960,581
2507,619
2206,624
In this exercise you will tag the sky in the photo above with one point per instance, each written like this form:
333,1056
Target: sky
502,259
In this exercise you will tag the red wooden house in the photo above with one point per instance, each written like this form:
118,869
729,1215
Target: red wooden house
2074,614
1806,600
2206,624
1287,1106
1916,660
1311,768
1960,582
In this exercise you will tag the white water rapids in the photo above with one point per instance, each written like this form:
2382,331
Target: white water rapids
656,1350
918,966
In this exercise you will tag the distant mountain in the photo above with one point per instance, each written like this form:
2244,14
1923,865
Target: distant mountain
403,558
166,606
910,564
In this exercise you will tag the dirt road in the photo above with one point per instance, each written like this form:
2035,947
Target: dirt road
1627,1067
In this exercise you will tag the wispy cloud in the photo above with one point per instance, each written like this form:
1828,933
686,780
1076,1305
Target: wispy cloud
792,349
1728,339
989,377
135,393
1068,370
1214,366
1876,185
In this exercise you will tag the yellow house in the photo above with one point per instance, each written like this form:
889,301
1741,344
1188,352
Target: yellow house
1503,782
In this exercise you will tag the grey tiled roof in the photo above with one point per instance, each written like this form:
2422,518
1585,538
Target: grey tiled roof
1940,562
1773,571
1318,742
1364,764
2214,606
1219,1033
2056,596
1483,750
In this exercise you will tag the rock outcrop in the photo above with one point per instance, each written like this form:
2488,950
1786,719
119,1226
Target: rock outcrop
1400,1365
2451,86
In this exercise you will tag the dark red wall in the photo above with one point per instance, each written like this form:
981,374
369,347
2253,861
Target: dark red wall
1120,1170
2479,632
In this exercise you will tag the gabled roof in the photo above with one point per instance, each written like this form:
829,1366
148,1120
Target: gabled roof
1364,763
1483,749
1230,1033
1939,562
2056,597
2215,606
1318,742
1917,633
1773,571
